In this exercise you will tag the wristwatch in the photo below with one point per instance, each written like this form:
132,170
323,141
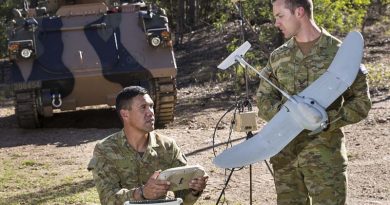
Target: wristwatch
197,193
141,189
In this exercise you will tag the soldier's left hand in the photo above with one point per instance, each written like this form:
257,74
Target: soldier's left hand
197,185
155,188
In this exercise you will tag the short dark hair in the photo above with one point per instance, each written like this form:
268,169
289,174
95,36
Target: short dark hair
293,4
124,97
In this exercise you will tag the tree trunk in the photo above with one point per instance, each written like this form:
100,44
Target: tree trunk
193,12
180,21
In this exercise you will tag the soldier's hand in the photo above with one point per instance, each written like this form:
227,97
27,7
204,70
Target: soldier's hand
155,188
197,185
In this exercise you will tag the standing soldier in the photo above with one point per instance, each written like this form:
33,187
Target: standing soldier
311,169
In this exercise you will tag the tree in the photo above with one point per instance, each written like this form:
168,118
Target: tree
5,16
338,16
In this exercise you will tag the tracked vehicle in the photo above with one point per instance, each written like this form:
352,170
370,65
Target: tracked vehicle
69,54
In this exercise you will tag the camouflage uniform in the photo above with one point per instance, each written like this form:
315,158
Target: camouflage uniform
118,169
311,169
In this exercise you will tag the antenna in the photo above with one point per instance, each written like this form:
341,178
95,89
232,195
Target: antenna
237,56
245,64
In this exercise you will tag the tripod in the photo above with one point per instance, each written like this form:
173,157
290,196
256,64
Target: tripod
249,135
246,103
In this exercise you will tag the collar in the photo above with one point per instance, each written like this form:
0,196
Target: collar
322,42
152,141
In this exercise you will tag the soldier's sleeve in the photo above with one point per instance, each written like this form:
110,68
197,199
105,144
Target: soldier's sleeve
356,105
106,180
269,100
180,160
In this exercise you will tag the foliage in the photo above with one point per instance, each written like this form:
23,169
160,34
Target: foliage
5,8
340,16
379,76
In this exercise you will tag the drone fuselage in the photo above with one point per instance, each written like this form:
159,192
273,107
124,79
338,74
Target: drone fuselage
307,112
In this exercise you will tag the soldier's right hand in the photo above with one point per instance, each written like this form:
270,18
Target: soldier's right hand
155,188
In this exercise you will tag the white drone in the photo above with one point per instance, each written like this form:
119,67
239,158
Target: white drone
305,110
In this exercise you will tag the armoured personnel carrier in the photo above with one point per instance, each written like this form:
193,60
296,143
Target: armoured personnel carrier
69,54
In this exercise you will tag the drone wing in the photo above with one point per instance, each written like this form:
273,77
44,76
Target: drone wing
275,135
340,74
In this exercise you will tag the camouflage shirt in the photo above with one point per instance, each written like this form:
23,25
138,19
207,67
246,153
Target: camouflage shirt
290,70
118,169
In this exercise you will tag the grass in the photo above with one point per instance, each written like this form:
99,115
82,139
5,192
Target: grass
379,76
27,181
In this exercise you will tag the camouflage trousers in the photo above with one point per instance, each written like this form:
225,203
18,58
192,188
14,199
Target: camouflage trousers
316,175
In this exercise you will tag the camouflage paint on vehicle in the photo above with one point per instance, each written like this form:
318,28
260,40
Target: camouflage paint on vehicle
86,53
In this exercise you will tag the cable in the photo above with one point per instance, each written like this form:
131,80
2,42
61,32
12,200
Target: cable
240,106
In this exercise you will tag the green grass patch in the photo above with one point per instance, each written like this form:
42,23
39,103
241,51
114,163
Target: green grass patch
30,163
379,76
31,182
17,155
82,192
6,174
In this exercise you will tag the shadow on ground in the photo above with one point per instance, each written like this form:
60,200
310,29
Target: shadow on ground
59,137
103,118
63,129
96,118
